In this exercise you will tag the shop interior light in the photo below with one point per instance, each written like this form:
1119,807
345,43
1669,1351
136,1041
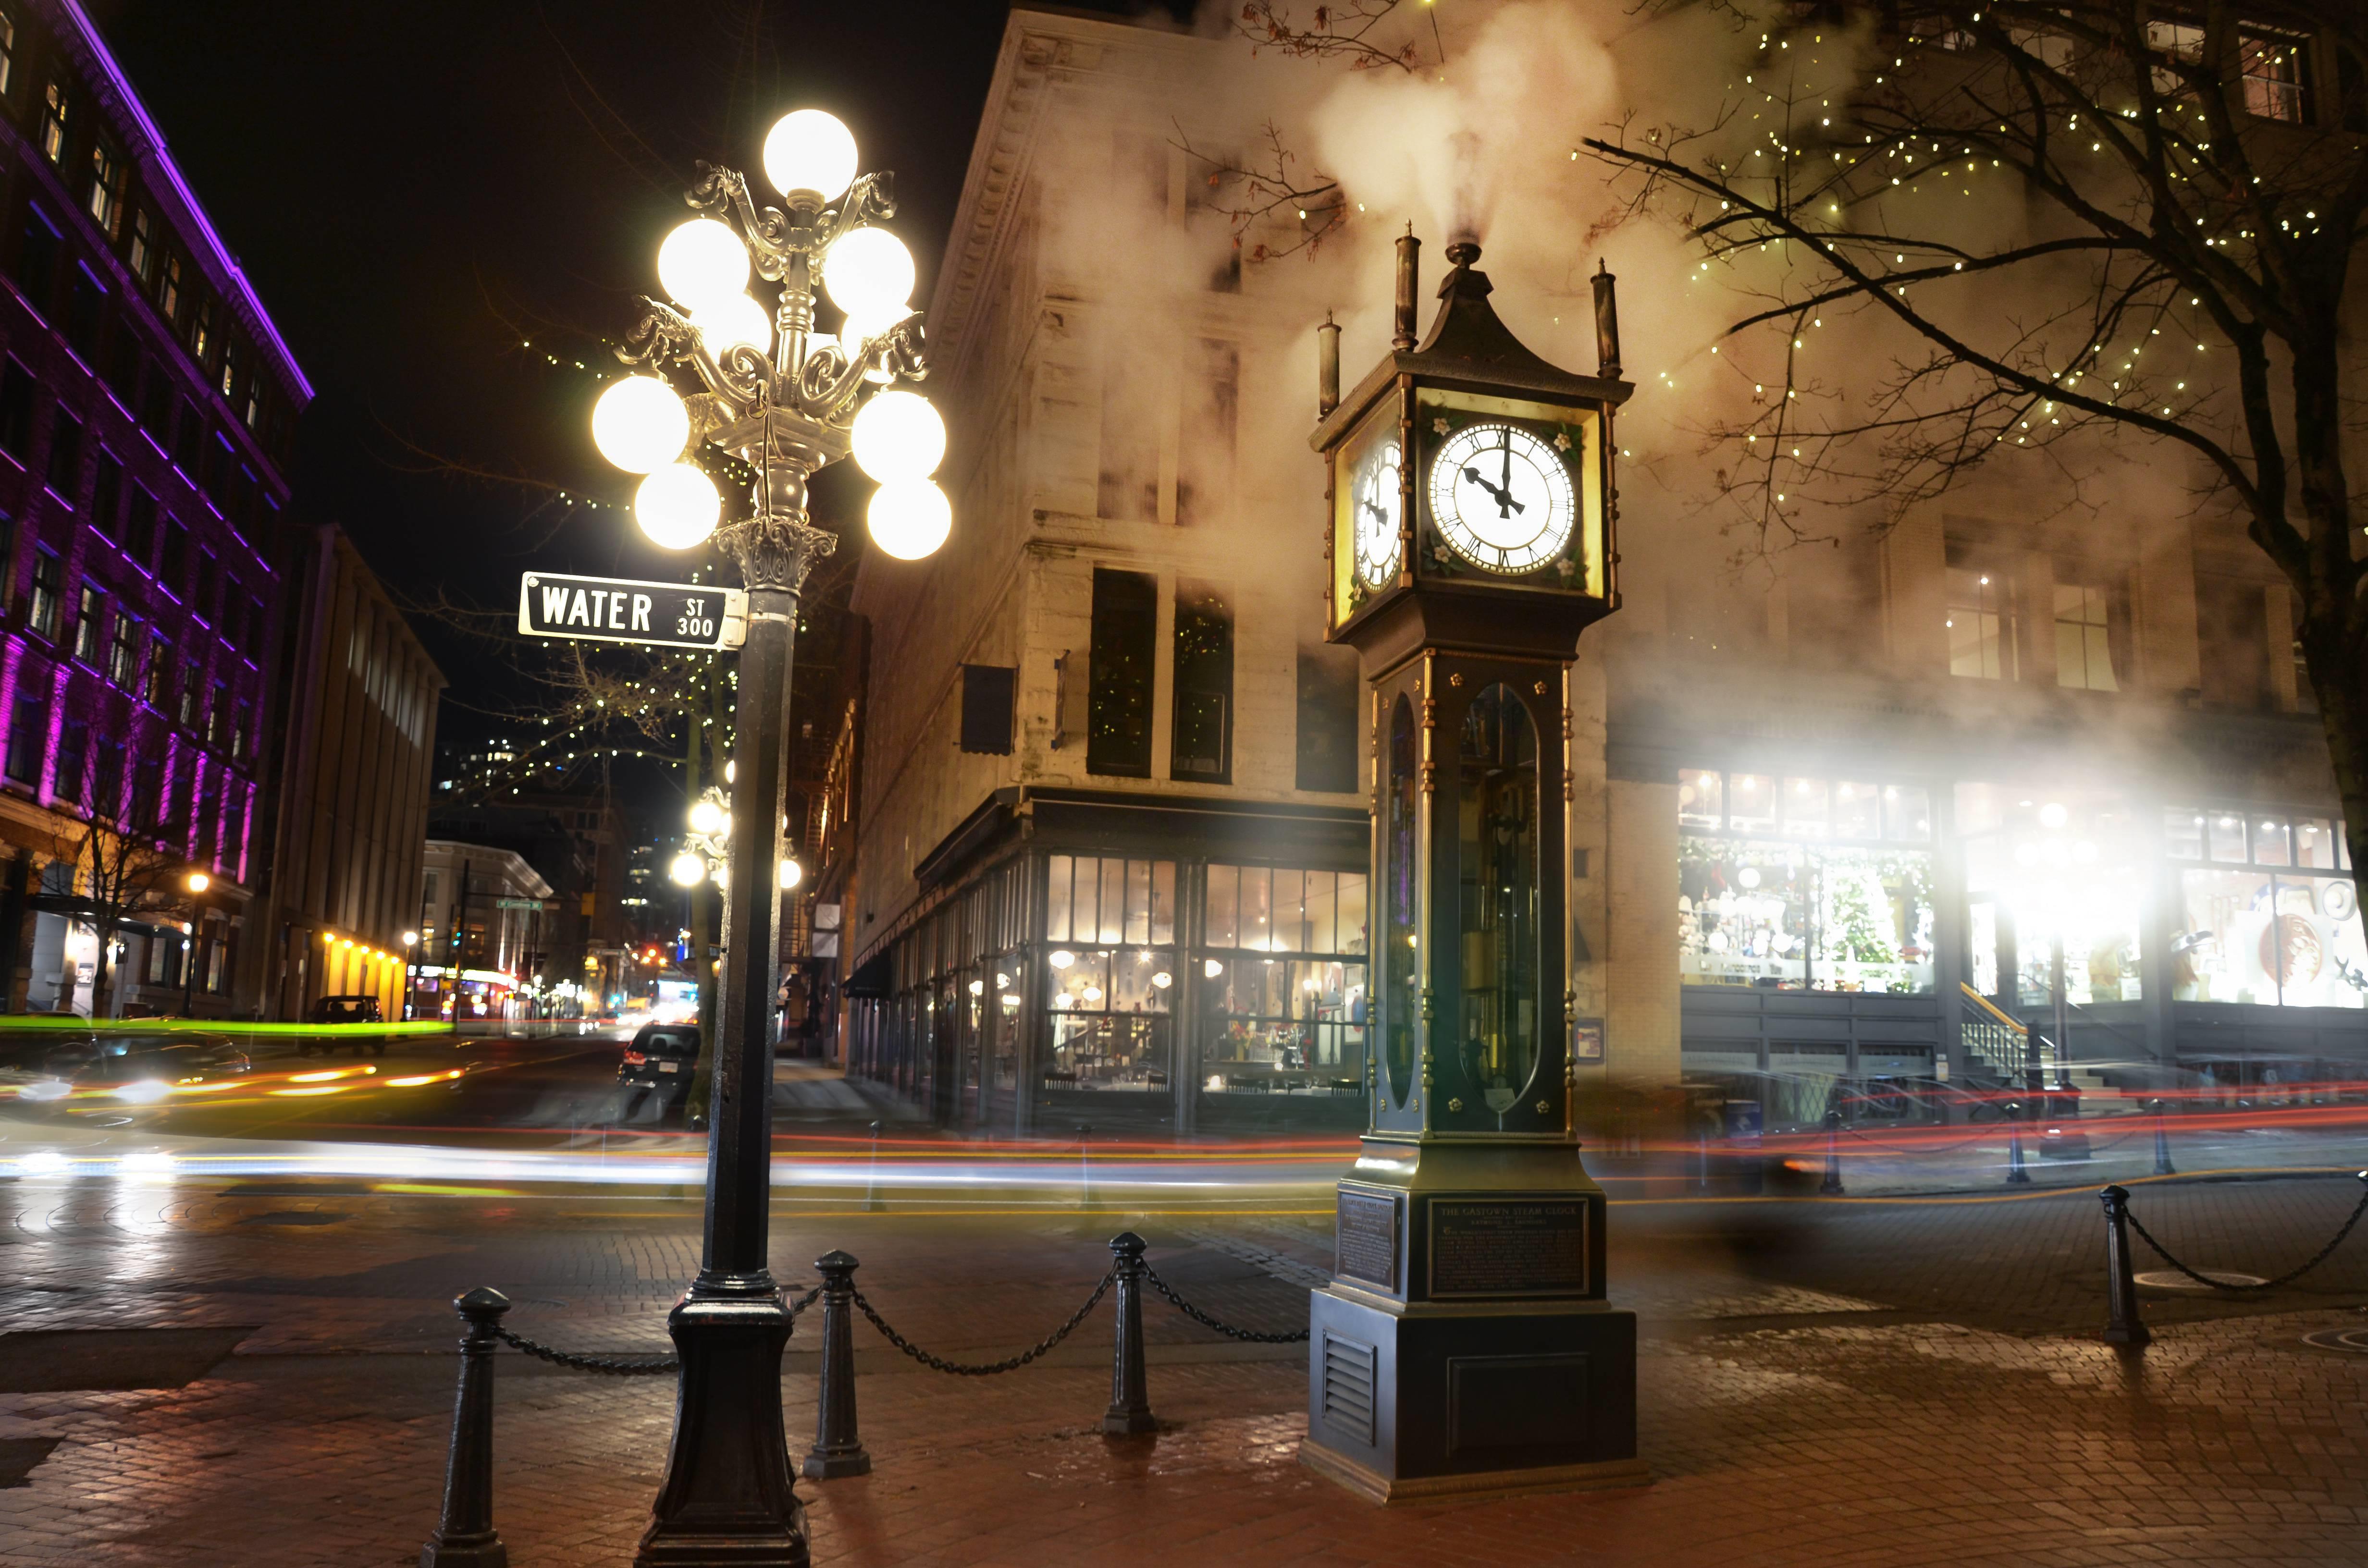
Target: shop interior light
1063,957
1212,969
1163,980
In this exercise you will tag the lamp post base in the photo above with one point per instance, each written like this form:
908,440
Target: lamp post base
728,1497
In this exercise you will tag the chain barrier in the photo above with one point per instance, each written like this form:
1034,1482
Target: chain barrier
2286,1278
1296,1337
982,1369
613,1365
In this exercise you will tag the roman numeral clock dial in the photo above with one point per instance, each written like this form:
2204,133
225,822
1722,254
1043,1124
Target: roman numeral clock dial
1375,496
1502,498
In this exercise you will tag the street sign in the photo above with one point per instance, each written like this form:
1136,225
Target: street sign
610,609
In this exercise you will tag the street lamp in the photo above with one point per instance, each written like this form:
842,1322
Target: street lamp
410,941
779,402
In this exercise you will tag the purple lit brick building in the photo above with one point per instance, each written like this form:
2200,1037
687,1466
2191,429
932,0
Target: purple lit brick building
146,408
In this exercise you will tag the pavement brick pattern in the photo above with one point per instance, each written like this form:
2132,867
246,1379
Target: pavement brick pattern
1829,1383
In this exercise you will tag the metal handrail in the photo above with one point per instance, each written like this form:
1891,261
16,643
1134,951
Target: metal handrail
1992,1008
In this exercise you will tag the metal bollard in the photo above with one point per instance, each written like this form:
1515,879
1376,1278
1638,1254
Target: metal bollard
1832,1185
2016,1176
465,1537
2122,1324
2162,1165
837,1450
872,1200
1129,1406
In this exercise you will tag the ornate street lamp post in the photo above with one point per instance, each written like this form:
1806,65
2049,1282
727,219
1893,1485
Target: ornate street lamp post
778,403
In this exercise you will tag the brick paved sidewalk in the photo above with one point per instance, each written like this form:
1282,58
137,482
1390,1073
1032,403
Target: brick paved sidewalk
1822,1383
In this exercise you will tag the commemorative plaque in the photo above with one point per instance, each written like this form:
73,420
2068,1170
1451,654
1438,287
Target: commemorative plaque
1488,1247
1366,1246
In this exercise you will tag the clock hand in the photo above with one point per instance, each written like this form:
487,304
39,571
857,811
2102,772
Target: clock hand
1504,498
1376,511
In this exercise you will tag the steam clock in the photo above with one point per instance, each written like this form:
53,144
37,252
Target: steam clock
1465,1344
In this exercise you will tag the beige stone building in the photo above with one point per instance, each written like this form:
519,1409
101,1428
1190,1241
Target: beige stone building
1098,822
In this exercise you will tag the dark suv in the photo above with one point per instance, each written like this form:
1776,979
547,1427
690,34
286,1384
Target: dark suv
661,1056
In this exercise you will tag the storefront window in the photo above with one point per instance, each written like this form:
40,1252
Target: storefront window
2254,937
1282,1026
1109,901
1766,904
1109,1011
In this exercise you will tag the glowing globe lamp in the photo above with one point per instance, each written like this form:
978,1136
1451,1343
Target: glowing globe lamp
909,518
810,151
701,264
678,507
639,424
739,319
706,817
867,272
898,435
791,874
687,869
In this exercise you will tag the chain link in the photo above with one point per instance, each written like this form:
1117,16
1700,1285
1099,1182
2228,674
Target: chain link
2286,1278
969,1370
1205,1320
617,1366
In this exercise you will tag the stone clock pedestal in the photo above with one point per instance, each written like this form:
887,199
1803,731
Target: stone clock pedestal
1464,1345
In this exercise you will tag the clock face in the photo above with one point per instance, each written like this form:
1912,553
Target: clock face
1502,497
1376,495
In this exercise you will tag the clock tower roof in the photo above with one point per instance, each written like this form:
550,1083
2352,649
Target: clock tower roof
1469,347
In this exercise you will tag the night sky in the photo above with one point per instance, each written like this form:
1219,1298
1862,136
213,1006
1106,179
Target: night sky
416,189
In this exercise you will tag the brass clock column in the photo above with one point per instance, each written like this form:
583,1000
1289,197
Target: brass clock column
1465,1344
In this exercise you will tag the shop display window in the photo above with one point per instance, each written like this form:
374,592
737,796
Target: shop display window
1793,917
1282,1026
2269,941
1283,910
1088,900
1110,1007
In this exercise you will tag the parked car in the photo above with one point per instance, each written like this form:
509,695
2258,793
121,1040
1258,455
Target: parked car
344,1010
661,1056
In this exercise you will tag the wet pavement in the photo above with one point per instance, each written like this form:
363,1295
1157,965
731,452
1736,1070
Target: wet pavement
258,1370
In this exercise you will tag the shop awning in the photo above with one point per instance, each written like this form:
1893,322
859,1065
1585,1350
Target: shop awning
871,977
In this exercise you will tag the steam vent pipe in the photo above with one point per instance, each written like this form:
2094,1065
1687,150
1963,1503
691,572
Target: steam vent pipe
1327,366
1409,250
1607,322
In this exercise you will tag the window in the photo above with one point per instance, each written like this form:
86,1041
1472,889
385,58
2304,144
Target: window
173,571
90,610
65,456
148,793
107,780
160,665
36,260
218,466
2277,76
123,651
1327,720
107,174
168,288
217,715
1128,485
208,586
1204,488
2176,44
201,331
192,690
240,729
106,496
140,534
73,749
2084,651
231,360
7,52
123,367
144,244
1283,1023
156,409
1980,624
85,314
1203,737
1125,646
54,108
227,625
16,411
189,438
988,695
28,726
254,400
48,573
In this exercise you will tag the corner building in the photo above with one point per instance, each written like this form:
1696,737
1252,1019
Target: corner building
146,410
2005,791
